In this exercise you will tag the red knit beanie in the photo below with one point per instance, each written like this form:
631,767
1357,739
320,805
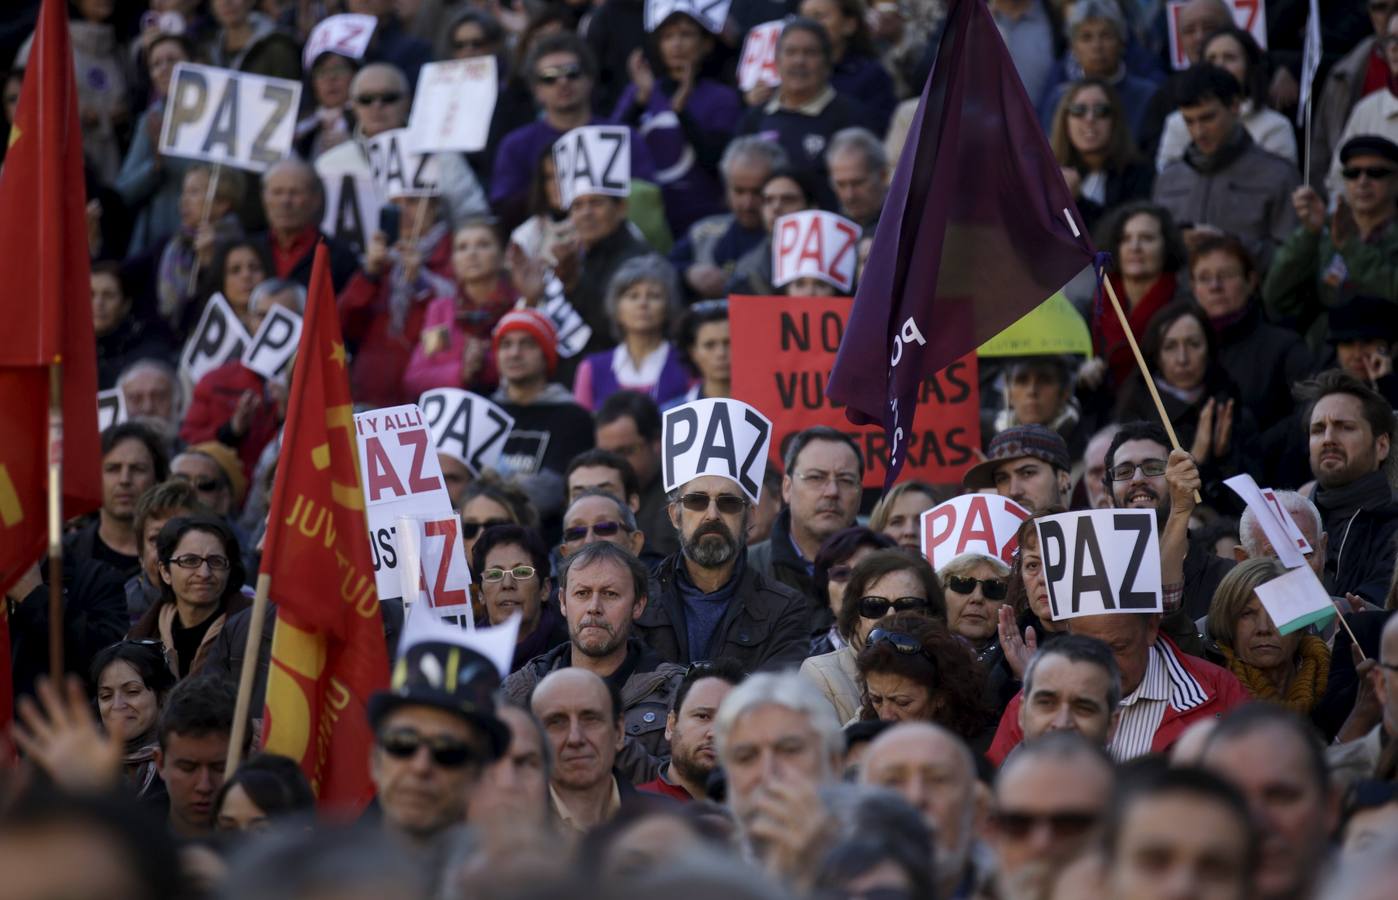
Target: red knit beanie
536,325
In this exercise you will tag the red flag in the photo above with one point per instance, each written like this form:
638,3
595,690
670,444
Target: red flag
328,653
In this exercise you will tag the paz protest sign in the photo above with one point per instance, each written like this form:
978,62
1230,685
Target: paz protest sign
229,117
573,332
814,243
453,105
347,35
275,343
466,426
1249,15
218,338
972,523
399,170
593,159
758,64
709,13
783,348
1101,561
352,204
111,408
715,437
434,570
1052,328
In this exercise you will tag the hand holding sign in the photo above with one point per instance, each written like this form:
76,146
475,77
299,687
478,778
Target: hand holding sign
1101,561
715,437
594,159
814,243
234,118
466,426
971,523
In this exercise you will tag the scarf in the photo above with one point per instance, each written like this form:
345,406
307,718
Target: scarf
1306,688
1342,502
1236,145
173,287
139,762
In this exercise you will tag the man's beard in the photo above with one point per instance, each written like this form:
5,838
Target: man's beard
605,648
689,767
710,554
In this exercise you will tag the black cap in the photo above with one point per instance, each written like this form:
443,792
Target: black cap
1369,145
1363,317
449,677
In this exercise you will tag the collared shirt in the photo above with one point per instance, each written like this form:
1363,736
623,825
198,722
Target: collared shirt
1029,38
565,816
813,107
285,258
1166,685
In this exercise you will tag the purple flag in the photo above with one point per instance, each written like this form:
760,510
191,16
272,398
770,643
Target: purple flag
978,229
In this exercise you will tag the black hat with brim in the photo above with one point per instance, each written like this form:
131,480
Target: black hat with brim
448,677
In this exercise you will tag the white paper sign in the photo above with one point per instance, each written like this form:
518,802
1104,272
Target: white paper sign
1101,561
1293,530
1249,15
347,35
814,243
453,105
275,342
218,338
1295,600
594,159
1278,534
573,331
466,426
352,205
111,408
434,570
401,477
758,64
972,523
399,170
495,644
716,437
711,14
229,117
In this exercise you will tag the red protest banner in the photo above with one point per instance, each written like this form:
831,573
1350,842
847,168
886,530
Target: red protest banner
783,350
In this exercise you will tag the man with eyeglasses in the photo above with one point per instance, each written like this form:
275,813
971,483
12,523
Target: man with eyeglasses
1072,683
1028,464
602,589
1048,802
690,730
597,515
1360,73
1358,746
512,566
206,476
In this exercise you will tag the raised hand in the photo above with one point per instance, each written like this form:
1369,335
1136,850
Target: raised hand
60,735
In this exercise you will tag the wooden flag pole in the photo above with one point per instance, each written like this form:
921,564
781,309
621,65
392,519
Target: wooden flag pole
56,522
1145,370
251,650
204,220
1340,614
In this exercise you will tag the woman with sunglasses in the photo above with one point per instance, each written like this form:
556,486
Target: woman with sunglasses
834,562
882,581
130,681
1094,147
490,500
898,514
201,573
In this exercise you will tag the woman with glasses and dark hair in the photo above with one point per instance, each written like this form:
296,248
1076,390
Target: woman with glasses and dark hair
883,580
701,336
129,681
1092,142
201,573
265,789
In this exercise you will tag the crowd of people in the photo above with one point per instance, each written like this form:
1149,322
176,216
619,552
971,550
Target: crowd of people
715,694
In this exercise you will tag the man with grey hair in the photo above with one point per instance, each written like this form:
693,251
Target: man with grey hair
292,198
153,395
858,166
597,515
1307,518
1097,39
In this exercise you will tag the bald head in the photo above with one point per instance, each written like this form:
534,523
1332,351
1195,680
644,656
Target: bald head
581,716
1199,19
380,97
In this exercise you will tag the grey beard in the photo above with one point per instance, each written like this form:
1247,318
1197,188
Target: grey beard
710,554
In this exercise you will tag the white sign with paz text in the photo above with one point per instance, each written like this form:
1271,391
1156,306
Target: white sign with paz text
233,118
758,64
275,342
434,570
1101,561
466,427
593,159
716,437
219,337
972,523
352,205
111,408
346,35
711,14
453,105
814,243
399,170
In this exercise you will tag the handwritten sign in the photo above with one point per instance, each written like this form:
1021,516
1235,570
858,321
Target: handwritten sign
758,64
453,105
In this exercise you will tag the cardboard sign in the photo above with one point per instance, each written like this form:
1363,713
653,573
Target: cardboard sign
1282,532
401,476
814,243
466,426
434,570
716,437
594,159
972,523
453,105
1101,561
111,408
1249,15
347,35
399,170
233,118
758,64
711,14
1053,327
218,338
783,350
352,205
573,331
1295,600
274,345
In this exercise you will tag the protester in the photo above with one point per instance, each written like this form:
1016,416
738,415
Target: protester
583,721
1092,141
1028,464
1038,390
1361,71
184,269
597,515
1097,43
122,338
196,726
834,564
602,470
976,585
1364,340
1026,620
132,462
292,197
898,514
689,728
785,190
1072,684
131,683
157,505
704,344
511,565
263,790
628,424
513,792
859,173
1372,115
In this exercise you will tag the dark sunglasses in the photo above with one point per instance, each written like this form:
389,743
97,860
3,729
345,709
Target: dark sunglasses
1098,110
1375,173
387,98
1151,468
727,503
991,588
878,607
905,644
206,485
839,574
469,530
446,752
601,529
554,74
1018,825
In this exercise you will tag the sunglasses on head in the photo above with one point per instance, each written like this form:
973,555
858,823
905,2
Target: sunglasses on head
469,530
554,74
1375,173
727,503
447,752
1151,468
601,529
518,573
1098,110
905,644
387,98
1019,825
991,588
878,607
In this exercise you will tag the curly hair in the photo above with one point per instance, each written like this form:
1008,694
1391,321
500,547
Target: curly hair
951,674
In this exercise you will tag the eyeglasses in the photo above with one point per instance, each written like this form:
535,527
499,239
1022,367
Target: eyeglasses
905,644
554,74
469,530
839,574
991,588
601,529
387,98
1151,468
193,561
1097,110
878,607
446,752
206,485
816,480
518,573
1018,825
1375,173
727,504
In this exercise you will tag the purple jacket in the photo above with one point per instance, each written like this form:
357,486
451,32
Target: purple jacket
595,381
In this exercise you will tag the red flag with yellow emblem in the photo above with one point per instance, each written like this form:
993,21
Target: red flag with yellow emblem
328,653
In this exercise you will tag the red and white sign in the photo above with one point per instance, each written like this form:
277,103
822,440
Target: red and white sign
432,548
972,523
347,35
1249,15
453,105
758,64
816,244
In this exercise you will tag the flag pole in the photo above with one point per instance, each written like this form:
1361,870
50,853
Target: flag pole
1306,168
56,521
204,220
251,650
1340,614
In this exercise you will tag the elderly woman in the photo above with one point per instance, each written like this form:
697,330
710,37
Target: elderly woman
130,681
201,573
1097,36
642,302
883,582
1094,147
1026,620
834,562
976,587
1290,669
898,514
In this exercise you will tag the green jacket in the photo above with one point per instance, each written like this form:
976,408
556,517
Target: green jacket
1305,279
